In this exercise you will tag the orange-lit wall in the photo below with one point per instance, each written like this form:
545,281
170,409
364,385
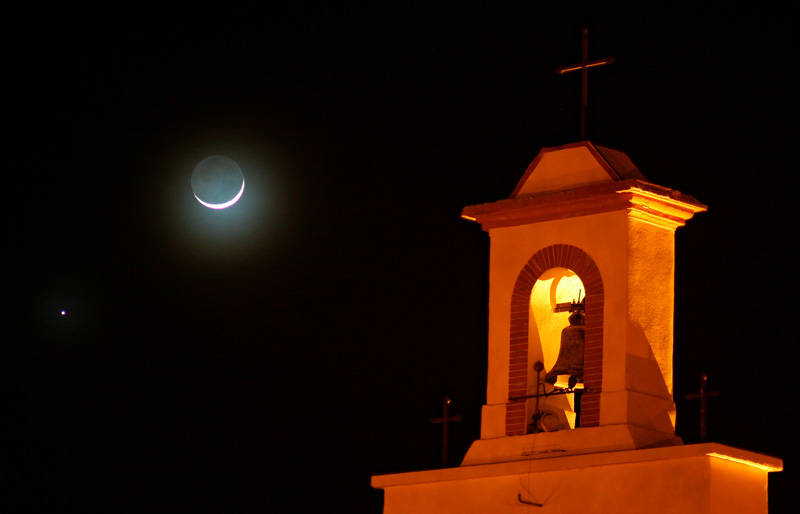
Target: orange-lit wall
677,480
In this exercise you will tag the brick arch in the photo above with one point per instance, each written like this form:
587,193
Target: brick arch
575,259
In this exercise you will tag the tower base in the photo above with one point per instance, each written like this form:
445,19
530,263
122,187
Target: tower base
701,478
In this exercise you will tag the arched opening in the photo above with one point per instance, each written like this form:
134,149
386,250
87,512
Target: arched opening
525,337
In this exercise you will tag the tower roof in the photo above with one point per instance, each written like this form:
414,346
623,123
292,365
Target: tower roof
574,165
579,179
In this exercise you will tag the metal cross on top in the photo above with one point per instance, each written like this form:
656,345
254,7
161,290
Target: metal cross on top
704,394
444,420
584,66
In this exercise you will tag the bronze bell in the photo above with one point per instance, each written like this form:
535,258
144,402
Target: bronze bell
570,355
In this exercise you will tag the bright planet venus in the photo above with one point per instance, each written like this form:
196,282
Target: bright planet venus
217,182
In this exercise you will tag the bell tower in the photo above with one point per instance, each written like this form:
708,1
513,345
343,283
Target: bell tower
579,413
582,220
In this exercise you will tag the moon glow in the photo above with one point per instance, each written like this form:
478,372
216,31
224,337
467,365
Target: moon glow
217,182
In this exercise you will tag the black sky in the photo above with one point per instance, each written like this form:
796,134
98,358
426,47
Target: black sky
275,355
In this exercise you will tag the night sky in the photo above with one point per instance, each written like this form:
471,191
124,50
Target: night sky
275,355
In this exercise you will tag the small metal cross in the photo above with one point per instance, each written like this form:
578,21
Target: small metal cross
444,420
584,66
704,394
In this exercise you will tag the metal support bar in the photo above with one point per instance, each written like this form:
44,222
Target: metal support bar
554,393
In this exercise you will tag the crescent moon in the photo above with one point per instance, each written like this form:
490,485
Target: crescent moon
223,205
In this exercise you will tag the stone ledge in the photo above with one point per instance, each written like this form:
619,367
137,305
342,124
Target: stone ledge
762,462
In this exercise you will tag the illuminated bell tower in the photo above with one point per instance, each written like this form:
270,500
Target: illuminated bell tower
581,221
583,235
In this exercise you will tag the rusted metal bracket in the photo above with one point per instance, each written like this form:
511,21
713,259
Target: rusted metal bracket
526,502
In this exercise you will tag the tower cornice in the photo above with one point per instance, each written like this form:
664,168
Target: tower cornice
646,201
